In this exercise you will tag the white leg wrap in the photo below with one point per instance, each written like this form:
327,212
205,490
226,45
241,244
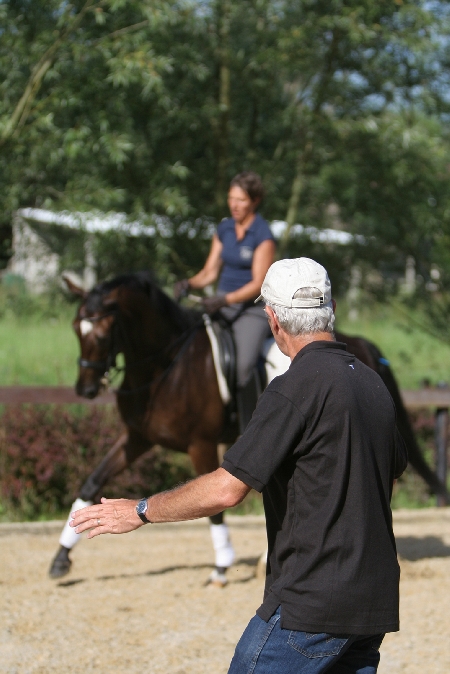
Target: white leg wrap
68,536
222,545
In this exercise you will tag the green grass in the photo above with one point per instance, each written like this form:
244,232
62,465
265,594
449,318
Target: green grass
38,351
42,349
414,354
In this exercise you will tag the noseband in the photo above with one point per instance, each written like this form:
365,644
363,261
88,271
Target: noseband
102,365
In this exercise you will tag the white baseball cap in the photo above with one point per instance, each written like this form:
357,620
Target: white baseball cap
286,277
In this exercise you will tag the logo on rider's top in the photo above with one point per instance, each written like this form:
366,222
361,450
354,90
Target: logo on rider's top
246,253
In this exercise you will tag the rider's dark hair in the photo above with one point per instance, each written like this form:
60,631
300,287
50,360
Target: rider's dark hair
251,183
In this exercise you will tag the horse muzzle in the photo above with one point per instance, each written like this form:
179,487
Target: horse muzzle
87,390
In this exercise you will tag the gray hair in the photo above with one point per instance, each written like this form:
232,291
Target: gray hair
305,321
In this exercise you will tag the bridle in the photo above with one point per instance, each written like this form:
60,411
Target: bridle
101,365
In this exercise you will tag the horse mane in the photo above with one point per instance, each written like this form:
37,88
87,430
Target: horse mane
143,281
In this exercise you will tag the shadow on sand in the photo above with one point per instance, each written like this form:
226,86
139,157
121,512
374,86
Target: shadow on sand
413,548
248,561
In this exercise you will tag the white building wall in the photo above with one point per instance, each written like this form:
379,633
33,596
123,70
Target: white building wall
32,258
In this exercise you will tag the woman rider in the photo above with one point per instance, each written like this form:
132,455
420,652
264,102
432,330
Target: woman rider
242,251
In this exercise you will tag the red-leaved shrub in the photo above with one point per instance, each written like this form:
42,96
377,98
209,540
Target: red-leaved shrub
46,453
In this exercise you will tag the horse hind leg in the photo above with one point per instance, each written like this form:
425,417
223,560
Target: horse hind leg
113,463
261,565
204,456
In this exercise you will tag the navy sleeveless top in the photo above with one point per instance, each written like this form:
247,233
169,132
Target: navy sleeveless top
237,255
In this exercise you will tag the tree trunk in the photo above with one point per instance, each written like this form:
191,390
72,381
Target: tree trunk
294,203
294,200
224,11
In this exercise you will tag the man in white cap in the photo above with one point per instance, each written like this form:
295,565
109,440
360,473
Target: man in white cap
323,448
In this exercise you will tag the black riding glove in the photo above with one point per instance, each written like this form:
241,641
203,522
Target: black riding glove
213,304
180,289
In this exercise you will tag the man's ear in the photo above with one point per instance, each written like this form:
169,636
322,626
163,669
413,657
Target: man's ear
333,304
273,320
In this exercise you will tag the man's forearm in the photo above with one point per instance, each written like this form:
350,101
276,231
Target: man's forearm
206,495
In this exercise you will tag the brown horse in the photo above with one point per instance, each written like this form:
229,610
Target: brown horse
169,395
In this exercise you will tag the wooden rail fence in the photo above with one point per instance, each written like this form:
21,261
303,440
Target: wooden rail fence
10,395
437,398
43,395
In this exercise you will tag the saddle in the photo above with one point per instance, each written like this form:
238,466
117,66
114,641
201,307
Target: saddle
225,364
240,404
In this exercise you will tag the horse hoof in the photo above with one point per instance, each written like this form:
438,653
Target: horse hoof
60,568
217,579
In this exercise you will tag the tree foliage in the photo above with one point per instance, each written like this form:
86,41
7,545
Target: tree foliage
150,106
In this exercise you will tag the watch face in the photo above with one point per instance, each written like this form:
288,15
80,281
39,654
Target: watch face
141,507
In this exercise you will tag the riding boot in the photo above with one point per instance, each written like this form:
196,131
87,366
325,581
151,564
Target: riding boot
246,398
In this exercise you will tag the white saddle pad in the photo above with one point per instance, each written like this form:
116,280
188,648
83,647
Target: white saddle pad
276,362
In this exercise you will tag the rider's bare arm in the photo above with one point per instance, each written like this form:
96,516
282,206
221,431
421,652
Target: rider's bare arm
206,495
213,264
262,259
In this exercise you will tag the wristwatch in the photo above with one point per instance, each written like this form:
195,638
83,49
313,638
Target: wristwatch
141,509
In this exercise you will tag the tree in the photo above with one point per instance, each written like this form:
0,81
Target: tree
151,107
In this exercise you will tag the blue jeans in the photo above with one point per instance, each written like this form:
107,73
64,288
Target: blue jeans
266,648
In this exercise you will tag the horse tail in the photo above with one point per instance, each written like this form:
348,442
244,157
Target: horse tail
404,425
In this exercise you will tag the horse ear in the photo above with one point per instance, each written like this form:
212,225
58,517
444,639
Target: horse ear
73,287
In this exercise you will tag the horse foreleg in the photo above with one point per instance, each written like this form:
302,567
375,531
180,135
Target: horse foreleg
223,549
113,463
205,460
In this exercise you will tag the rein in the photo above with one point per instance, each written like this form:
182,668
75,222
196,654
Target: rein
168,369
105,365
184,335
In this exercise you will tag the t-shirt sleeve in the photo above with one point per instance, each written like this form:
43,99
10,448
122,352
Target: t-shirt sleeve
263,232
221,227
274,431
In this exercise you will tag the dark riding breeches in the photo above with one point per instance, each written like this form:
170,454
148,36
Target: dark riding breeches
250,329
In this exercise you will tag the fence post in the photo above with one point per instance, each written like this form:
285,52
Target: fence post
441,441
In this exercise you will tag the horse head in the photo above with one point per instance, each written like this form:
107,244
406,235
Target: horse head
94,325
128,314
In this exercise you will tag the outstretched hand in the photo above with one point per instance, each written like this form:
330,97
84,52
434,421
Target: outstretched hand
111,516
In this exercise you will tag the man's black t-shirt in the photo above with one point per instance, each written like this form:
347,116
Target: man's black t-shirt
323,448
